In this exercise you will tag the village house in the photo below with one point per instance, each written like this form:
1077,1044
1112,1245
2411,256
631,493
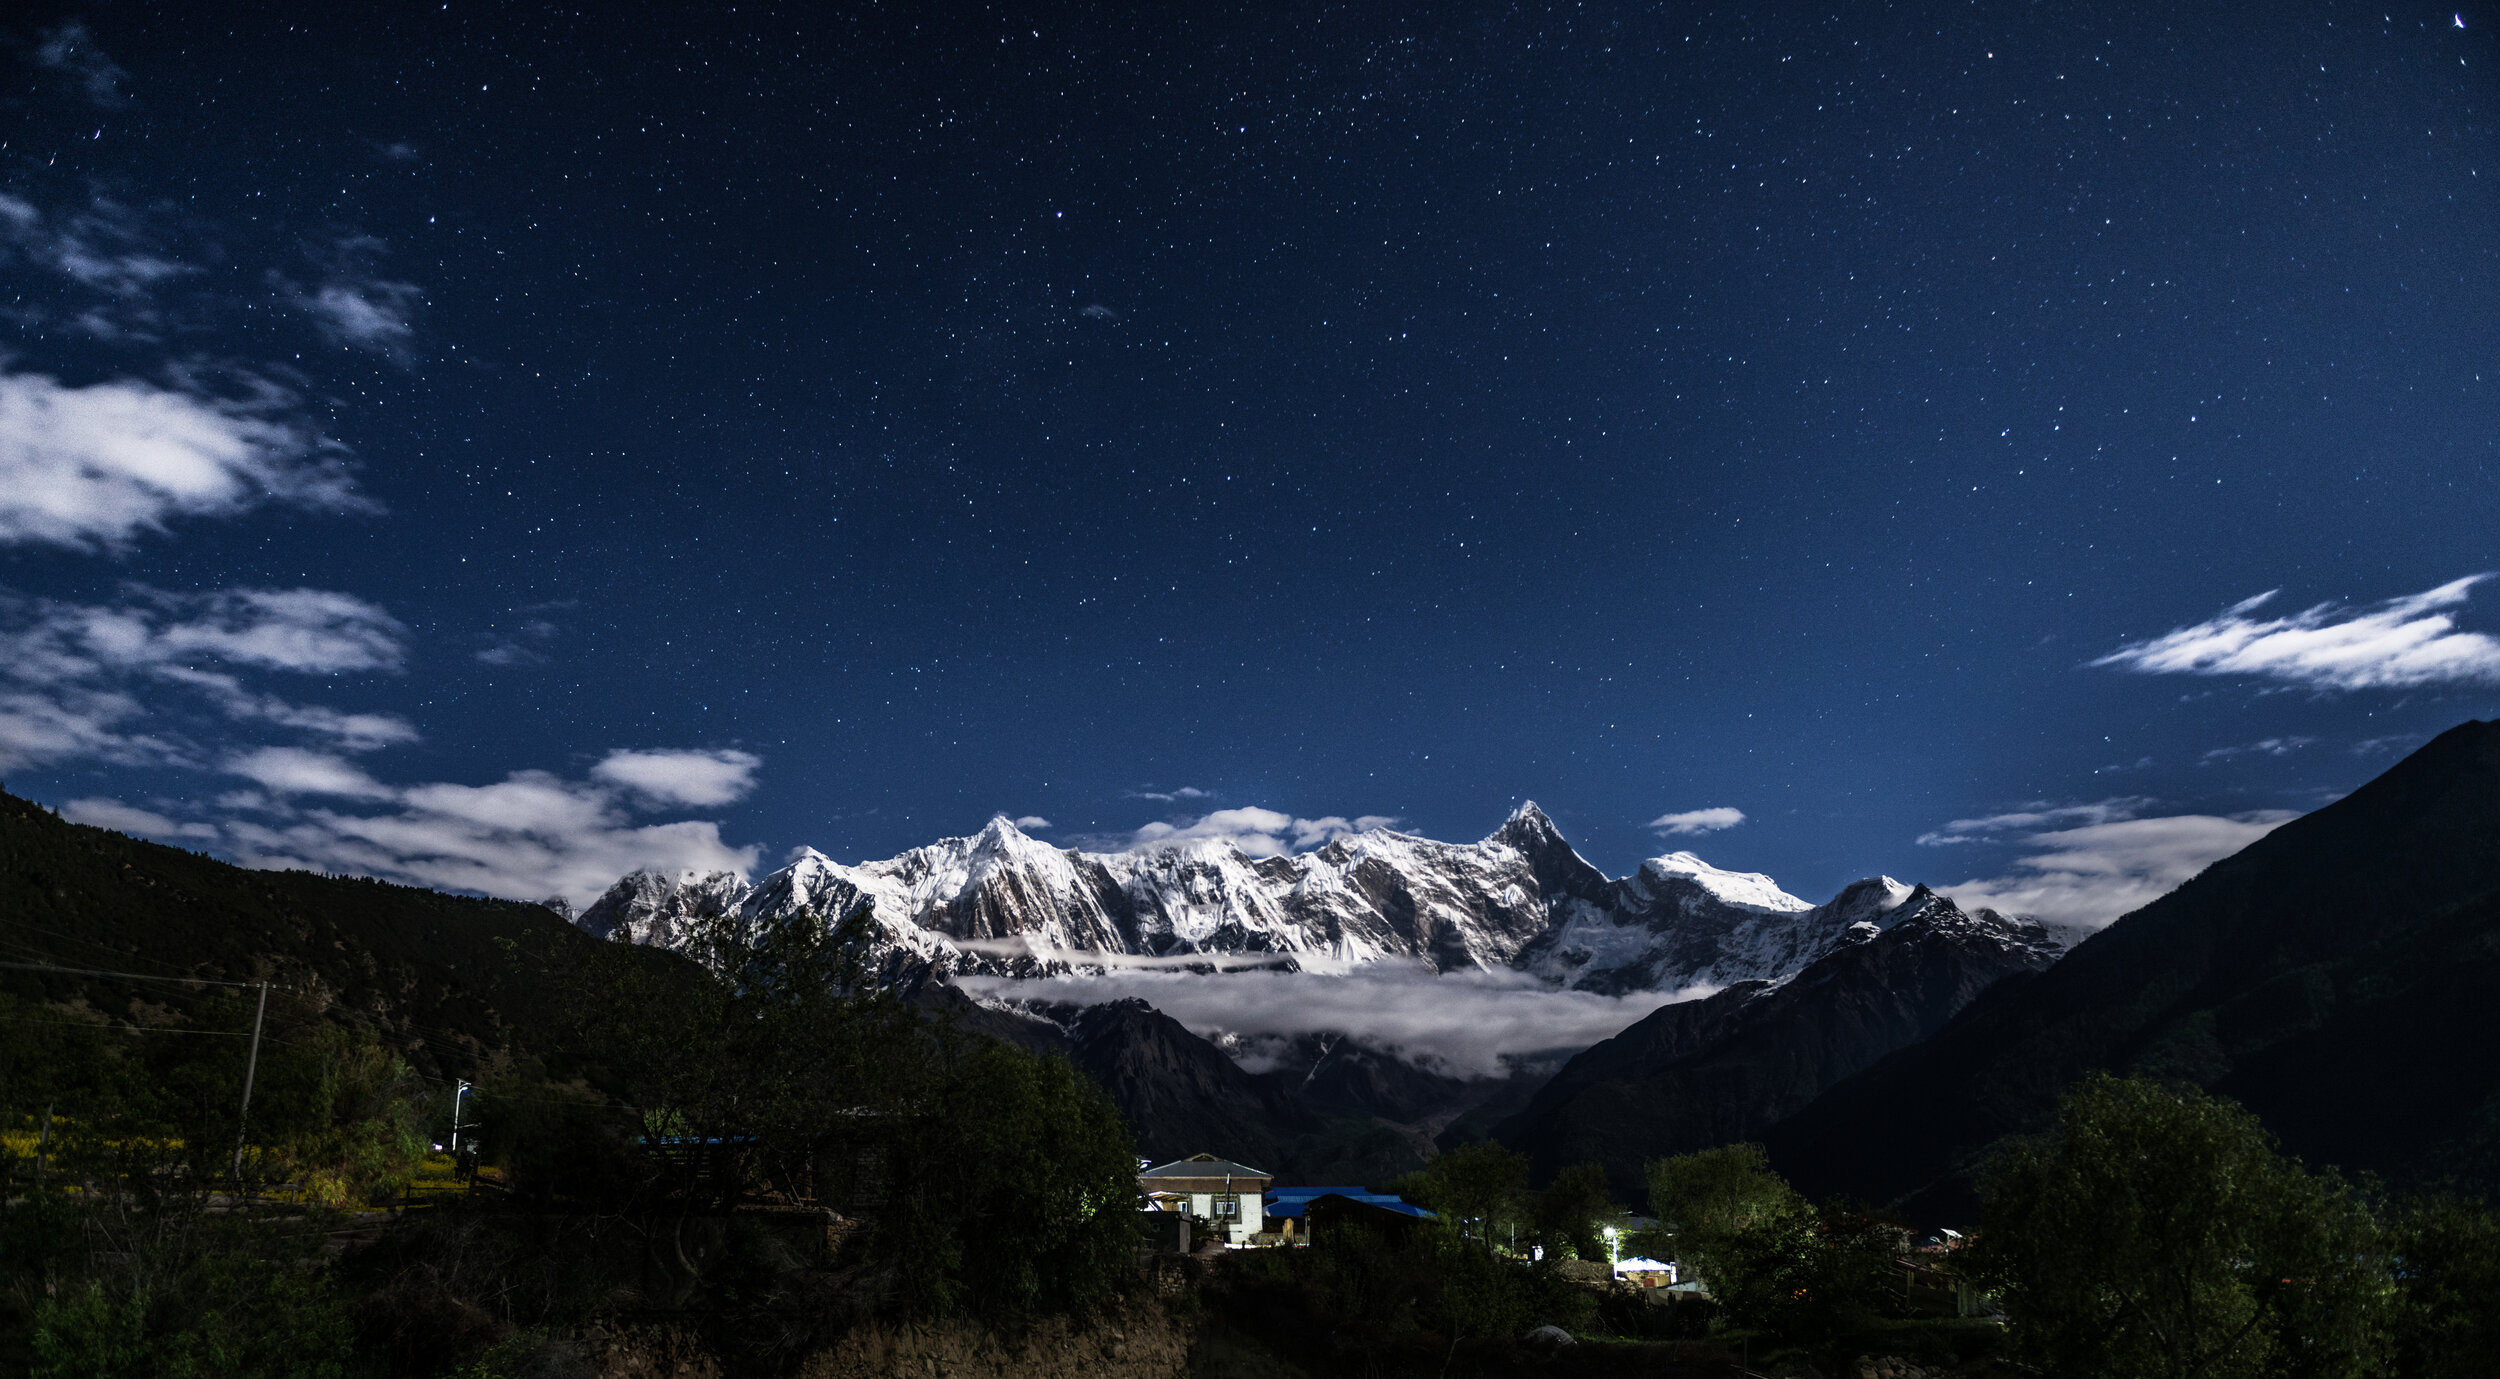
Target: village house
1227,1196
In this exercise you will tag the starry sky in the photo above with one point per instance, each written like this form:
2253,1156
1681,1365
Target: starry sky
498,446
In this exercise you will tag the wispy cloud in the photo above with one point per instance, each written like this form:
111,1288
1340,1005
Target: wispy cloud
73,676
72,50
1991,827
1032,821
144,823
1695,821
2262,747
2401,643
1468,1023
523,644
1186,792
2081,878
371,315
355,305
110,259
91,468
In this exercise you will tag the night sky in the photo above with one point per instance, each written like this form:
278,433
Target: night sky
500,446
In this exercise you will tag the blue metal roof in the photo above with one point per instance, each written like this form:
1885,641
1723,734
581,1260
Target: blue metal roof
1293,1201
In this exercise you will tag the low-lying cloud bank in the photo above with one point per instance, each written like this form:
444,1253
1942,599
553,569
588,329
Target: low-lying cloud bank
1463,1023
2080,878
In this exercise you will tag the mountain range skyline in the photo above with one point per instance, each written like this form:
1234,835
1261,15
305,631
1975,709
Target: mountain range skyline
2034,457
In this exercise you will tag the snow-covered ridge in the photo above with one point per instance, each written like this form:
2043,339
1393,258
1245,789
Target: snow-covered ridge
1002,903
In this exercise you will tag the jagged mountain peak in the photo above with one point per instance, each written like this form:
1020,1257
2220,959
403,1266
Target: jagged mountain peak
1529,817
1002,903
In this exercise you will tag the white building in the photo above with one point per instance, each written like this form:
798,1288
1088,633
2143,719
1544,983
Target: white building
1229,1197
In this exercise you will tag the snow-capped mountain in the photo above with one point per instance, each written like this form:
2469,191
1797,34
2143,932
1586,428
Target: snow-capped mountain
1001,903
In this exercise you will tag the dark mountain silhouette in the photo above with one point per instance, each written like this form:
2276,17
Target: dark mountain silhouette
2337,976
444,978
1724,1069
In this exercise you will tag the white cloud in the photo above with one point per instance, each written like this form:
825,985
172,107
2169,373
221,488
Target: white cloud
2402,643
1032,821
1256,832
91,468
1698,821
1466,1022
527,836
295,771
2082,878
682,777
113,814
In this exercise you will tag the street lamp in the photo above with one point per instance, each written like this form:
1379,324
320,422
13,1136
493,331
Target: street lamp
1614,1248
457,1094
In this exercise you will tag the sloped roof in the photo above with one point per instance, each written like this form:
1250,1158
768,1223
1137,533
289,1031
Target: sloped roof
1293,1201
1206,1166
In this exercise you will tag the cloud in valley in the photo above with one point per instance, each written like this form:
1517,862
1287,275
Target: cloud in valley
1466,1022
2103,864
2402,643
1697,821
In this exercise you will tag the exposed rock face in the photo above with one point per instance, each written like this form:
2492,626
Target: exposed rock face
1724,1069
1001,903
2336,976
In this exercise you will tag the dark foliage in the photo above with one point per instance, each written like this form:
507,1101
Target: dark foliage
2156,1232
443,980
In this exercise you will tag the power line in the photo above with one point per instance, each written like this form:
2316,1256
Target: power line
134,976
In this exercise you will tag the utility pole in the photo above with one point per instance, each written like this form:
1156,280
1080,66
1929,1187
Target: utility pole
251,1067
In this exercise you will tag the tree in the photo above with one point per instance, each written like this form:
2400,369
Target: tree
1482,1188
2156,1231
759,1066
2445,1319
1770,1258
1572,1210
1013,1188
